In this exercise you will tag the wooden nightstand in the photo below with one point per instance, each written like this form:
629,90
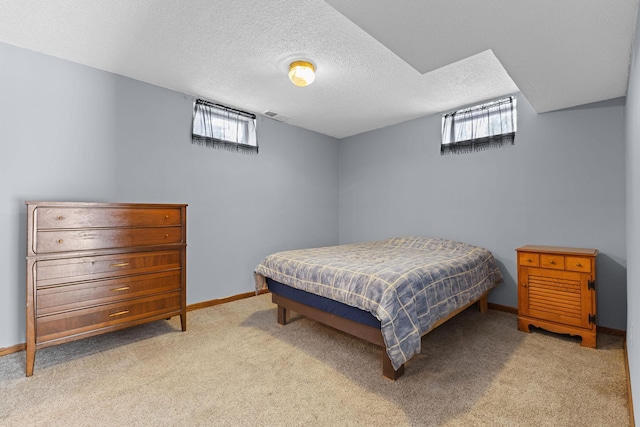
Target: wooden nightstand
557,290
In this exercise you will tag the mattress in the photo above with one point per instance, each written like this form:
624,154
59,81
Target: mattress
324,304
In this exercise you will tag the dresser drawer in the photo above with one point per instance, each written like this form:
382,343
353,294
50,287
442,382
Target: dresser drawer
78,321
103,217
529,259
553,261
57,299
51,272
56,241
574,263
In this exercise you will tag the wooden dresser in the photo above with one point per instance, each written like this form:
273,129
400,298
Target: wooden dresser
557,290
97,267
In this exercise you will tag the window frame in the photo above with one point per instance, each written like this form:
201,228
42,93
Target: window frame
487,125
219,126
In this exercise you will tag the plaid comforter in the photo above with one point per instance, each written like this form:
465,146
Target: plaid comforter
407,283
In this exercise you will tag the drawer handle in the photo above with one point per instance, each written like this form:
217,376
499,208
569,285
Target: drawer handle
166,235
119,313
124,288
552,262
60,241
166,217
120,264
578,264
528,259
60,218
524,285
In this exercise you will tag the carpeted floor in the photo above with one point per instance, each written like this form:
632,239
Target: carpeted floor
236,366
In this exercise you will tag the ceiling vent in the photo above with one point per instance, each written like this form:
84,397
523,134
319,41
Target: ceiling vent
276,116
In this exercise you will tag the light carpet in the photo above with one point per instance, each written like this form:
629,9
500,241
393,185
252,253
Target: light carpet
236,366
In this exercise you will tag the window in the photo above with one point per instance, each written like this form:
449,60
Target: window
217,126
477,128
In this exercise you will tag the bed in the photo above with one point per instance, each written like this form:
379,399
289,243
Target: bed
388,292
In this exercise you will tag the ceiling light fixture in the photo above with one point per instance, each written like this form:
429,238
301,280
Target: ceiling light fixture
301,73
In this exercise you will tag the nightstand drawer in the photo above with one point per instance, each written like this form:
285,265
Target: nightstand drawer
553,261
529,259
578,264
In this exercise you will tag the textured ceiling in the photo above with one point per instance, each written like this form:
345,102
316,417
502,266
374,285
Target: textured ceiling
379,62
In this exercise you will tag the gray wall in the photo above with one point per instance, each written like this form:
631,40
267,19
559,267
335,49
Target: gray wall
632,122
70,132
562,183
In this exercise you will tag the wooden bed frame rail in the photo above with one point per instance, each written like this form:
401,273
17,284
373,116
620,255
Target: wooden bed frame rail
365,332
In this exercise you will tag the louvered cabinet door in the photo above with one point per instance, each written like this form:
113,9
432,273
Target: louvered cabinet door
555,295
557,290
